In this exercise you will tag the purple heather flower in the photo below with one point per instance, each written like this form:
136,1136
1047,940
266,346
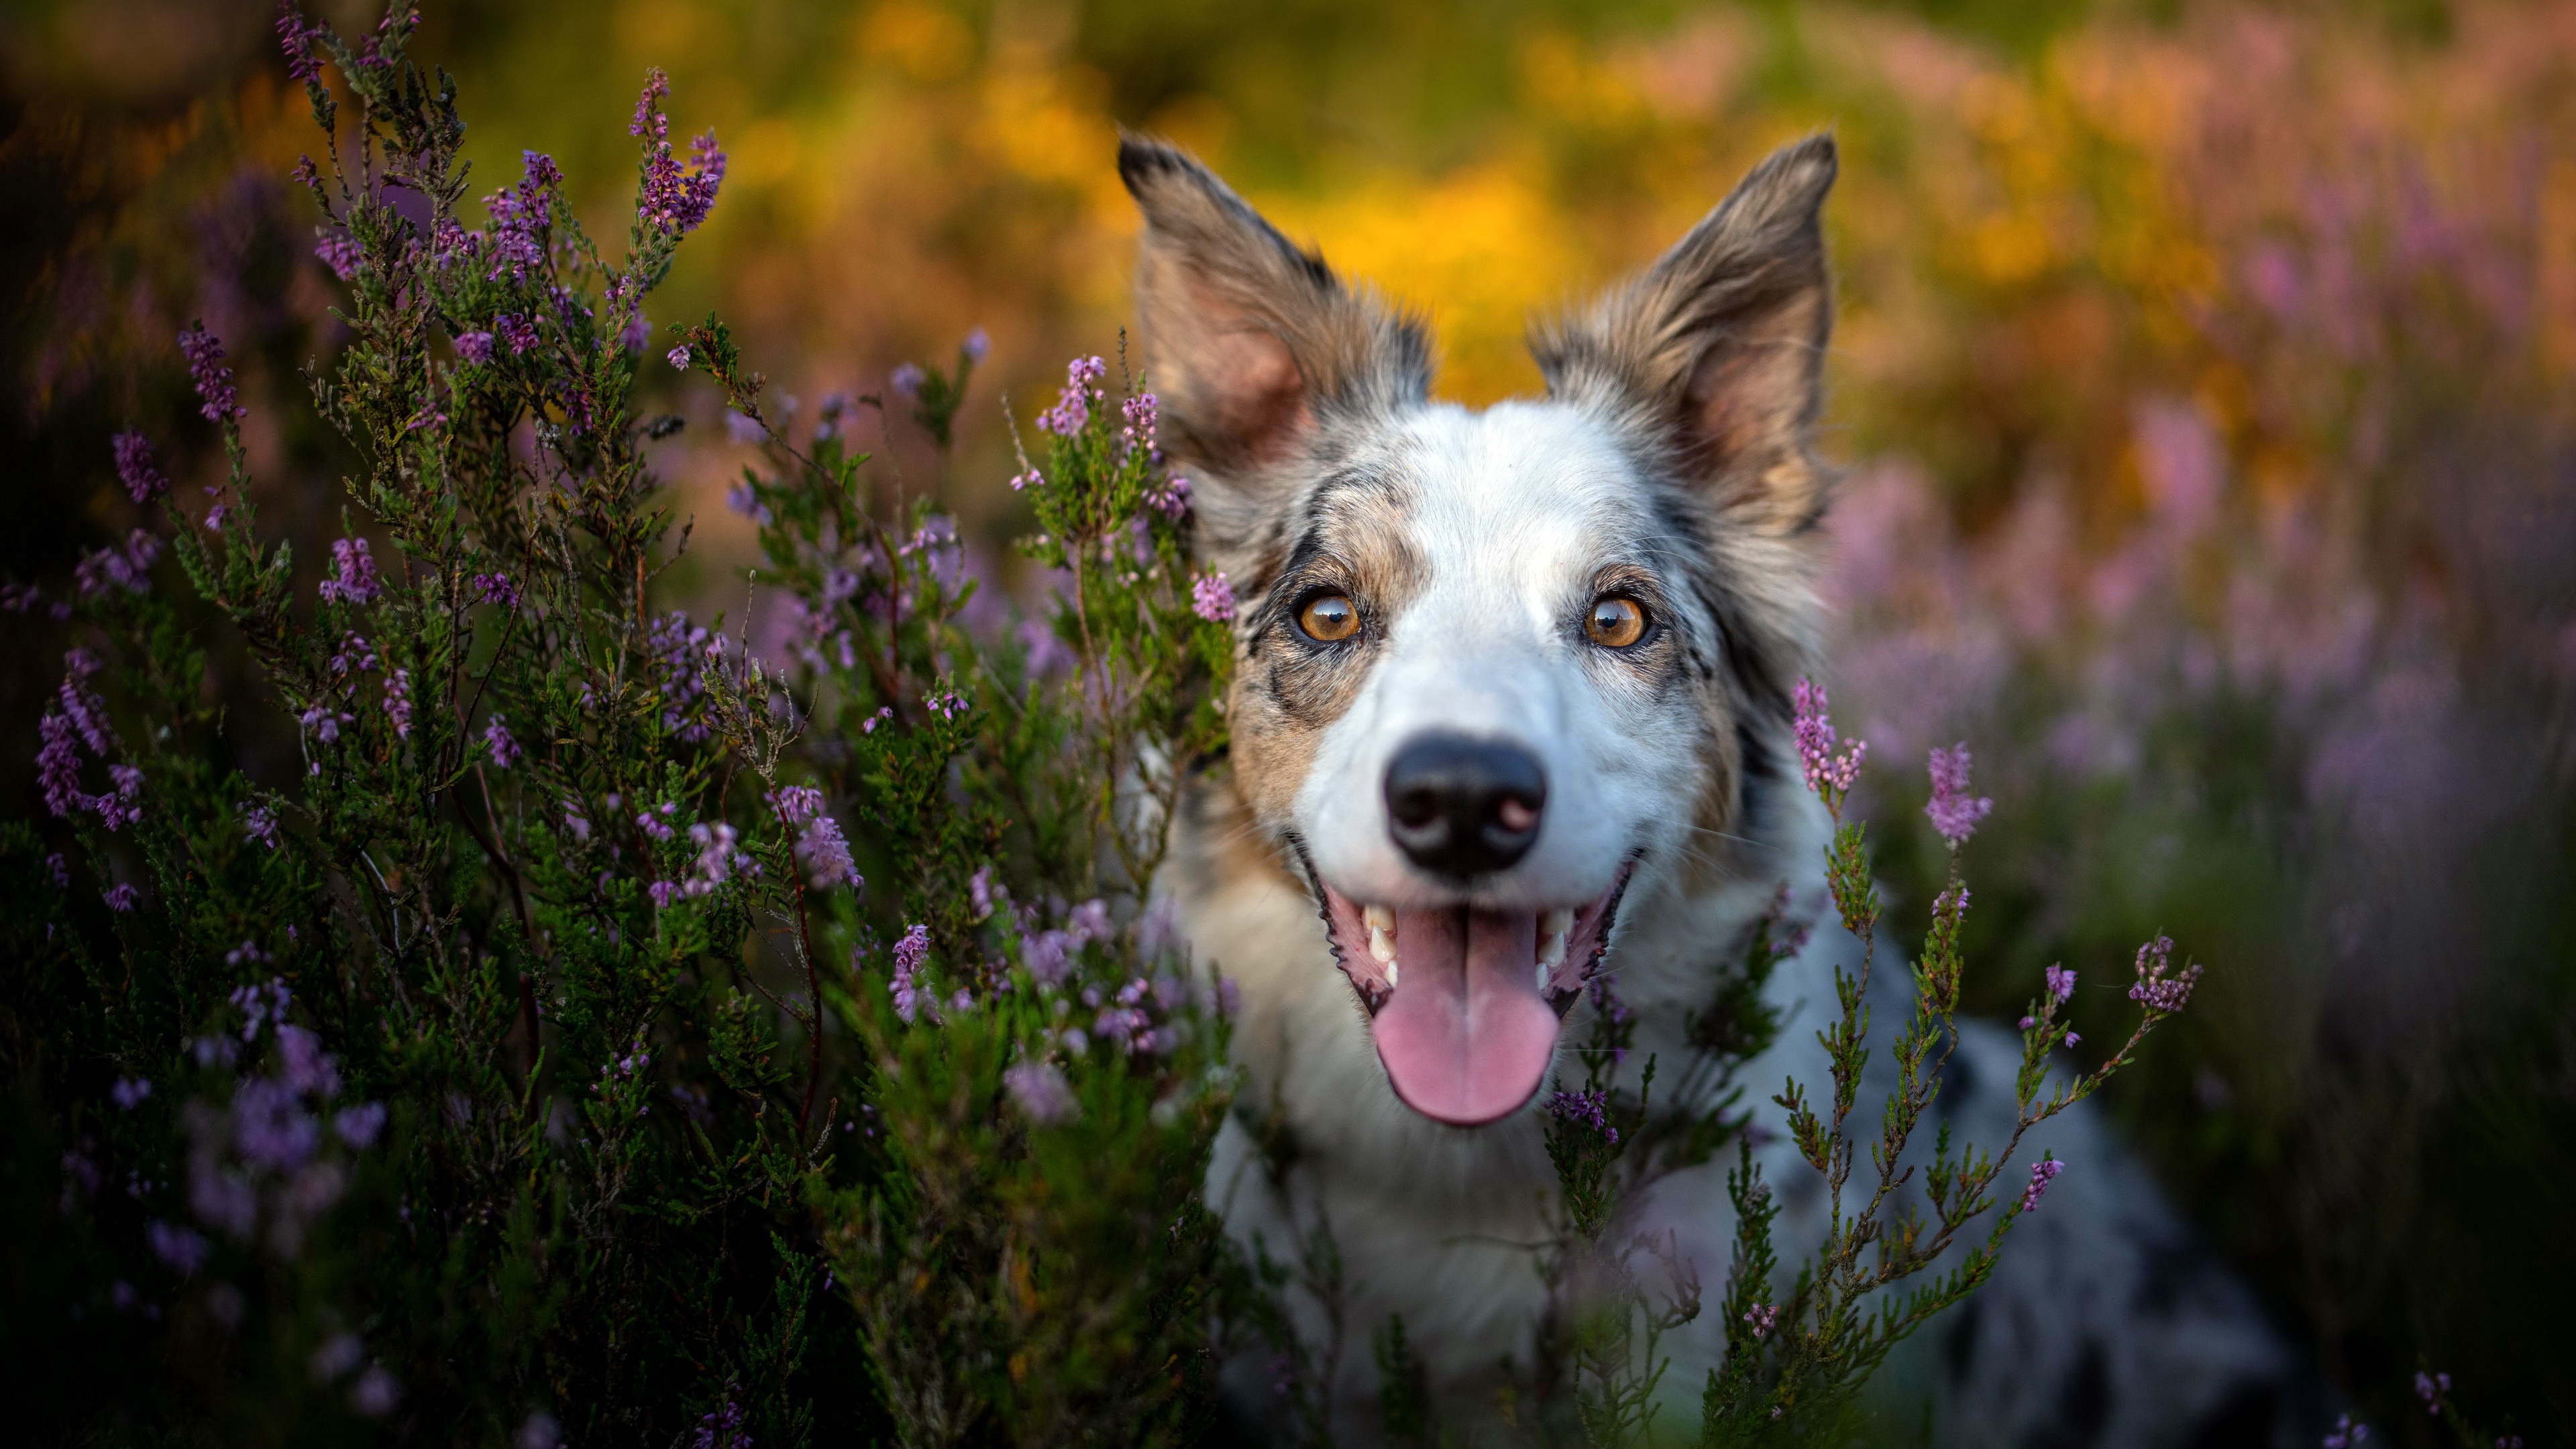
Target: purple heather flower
58,765
354,579
669,199
214,381
2042,1173
678,357
719,859
359,1125
797,804
398,702
260,824
339,251
2061,982
127,568
375,1393
474,347
1072,410
519,333
521,217
1212,598
183,1250
637,332
2346,1433
979,891
911,954
130,1092
1174,498
296,38
1589,1108
722,1429
121,897
907,380
309,1069
2071,1037
1828,775
743,429
1041,1091
143,482
271,1127
1954,811
61,872
1030,479
826,855
496,589
1763,1318
2156,991
496,738
977,346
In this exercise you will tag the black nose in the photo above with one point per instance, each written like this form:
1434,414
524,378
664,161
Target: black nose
1461,806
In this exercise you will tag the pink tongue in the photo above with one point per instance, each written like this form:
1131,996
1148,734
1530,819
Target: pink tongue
1466,1037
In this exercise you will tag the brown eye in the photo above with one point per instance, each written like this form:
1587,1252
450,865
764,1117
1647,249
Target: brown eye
1329,618
1615,623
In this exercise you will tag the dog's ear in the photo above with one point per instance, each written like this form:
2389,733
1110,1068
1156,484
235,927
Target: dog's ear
1250,342
1716,352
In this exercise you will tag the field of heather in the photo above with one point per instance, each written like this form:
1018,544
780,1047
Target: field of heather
2205,381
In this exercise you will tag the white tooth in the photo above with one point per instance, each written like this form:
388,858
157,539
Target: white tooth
1544,972
1551,950
1381,944
1390,975
1556,922
1379,918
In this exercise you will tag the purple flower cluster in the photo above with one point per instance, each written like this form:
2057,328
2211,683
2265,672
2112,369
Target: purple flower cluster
1072,410
496,589
522,216
1042,1092
518,332
670,199
678,357
722,1428
474,347
911,956
2156,991
260,823
720,857
82,720
353,569
218,402
496,738
1049,954
121,897
1172,499
1762,1318
339,251
134,467
266,1149
1590,1109
295,37
2346,1433
398,702
2061,982
820,847
1212,598
906,380
1828,775
1953,810
678,650
127,566
2042,1173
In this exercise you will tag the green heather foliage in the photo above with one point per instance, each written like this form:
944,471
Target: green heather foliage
617,1038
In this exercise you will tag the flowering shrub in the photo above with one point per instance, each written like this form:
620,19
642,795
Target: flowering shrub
619,1028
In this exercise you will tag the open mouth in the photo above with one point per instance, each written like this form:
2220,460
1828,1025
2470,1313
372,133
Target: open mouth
1465,1002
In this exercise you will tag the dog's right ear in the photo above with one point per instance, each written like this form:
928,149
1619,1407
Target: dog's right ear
1251,344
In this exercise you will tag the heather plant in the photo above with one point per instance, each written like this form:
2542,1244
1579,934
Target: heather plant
607,1034
1802,1338
618,1026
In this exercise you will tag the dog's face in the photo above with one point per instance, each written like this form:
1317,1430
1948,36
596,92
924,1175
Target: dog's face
1492,667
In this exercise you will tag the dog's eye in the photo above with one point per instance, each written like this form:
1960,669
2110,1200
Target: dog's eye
1615,623
1329,618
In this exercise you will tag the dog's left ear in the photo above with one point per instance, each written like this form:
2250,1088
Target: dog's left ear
1716,352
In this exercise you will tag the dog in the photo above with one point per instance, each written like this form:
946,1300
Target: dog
1512,706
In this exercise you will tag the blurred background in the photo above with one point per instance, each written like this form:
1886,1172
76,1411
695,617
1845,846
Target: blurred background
2204,374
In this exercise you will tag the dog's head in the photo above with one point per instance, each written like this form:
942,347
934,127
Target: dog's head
1495,668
